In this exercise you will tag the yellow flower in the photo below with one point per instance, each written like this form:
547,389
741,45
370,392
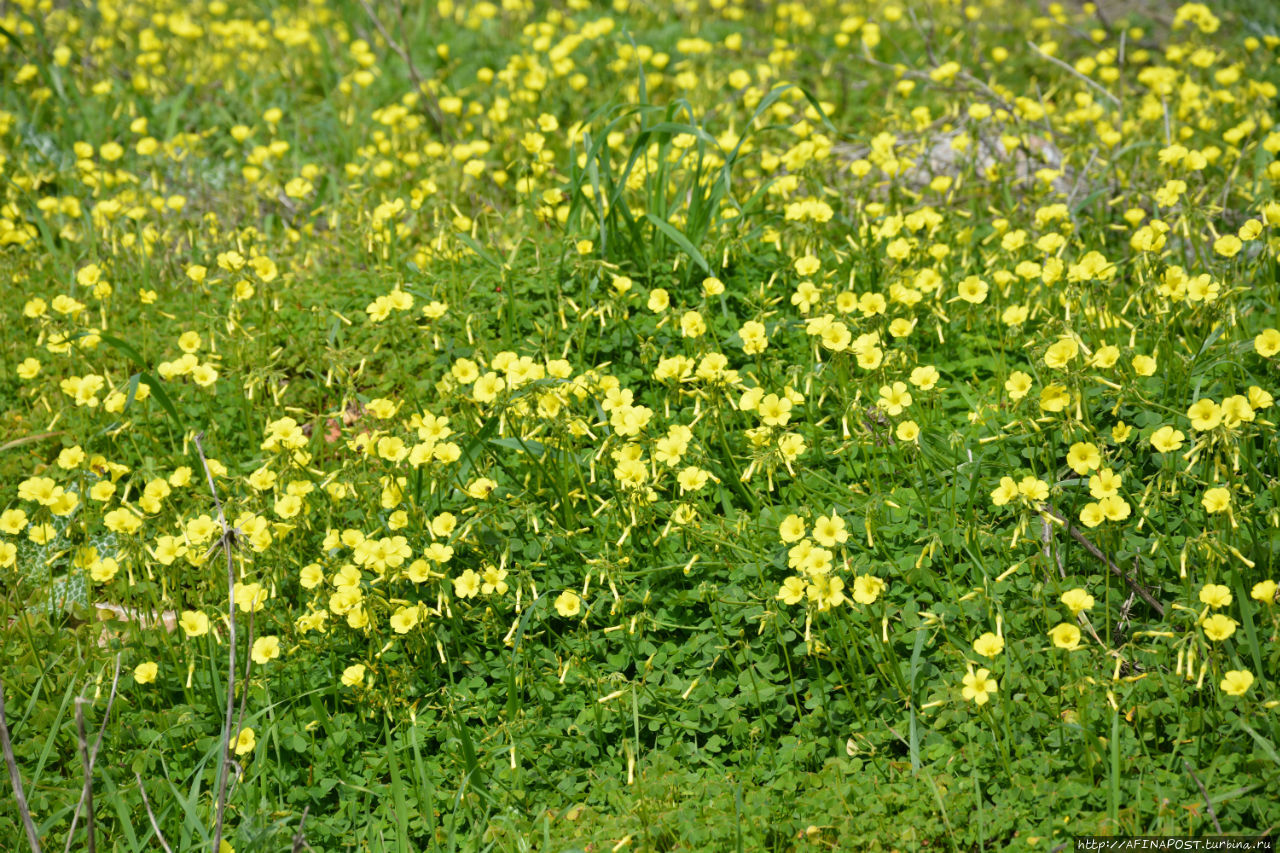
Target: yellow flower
403,620
353,676
1219,627
973,290
692,325
894,398
1065,636
29,369
311,576
1018,385
1005,492
807,265
978,686
1077,600
1054,398
1204,414
1228,245
774,410
568,604
467,584
1115,508
1267,342
1091,515
1083,457
1264,592
1236,682
925,377
867,588
1215,595
754,337
1033,489
145,673
908,431
829,530
826,591
1216,500
1167,439
988,645
266,649
792,529
480,488
245,741
194,623
1144,365
792,591
13,521
1060,354
658,300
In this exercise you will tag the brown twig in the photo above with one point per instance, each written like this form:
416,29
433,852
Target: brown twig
19,796
1136,587
248,668
1046,536
1088,81
155,824
224,765
1208,802
298,840
431,107
93,754
86,795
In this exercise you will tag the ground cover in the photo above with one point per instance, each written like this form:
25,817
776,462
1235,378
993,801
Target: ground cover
570,426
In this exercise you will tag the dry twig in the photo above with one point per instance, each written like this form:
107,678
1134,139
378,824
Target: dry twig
298,840
87,794
155,825
19,796
431,108
1208,802
225,540
1136,587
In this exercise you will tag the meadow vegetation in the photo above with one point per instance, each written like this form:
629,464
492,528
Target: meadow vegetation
638,425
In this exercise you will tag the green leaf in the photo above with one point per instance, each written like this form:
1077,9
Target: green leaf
680,240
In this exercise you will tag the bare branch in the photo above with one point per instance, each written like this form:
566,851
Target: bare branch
431,108
1136,587
155,825
93,756
1093,84
19,796
86,795
223,765
298,840
1208,802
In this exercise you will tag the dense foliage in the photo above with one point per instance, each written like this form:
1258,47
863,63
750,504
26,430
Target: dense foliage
708,425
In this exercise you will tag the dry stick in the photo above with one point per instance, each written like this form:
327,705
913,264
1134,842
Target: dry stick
223,766
86,796
248,667
1208,802
298,840
15,779
432,107
93,753
1046,536
1082,77
155,825
1136,587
